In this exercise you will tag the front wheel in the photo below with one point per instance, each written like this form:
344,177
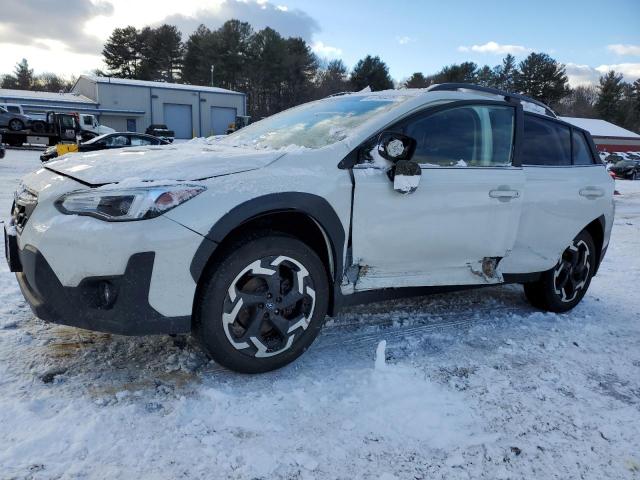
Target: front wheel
561,288
262,305
16,125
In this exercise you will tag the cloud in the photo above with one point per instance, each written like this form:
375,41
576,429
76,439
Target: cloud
404,40
580,75
630,71
36,23
620,49
587,75
323,50
289,22
495,48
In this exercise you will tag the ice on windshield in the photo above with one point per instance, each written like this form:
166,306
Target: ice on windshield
313,125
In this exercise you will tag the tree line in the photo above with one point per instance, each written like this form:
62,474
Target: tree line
23,78
277,72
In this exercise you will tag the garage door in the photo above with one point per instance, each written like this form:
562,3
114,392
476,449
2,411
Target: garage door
221,117
178,118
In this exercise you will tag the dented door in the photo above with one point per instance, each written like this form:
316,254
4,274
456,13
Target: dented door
439,235
463,218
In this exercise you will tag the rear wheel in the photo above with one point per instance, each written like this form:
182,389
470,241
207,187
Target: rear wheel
263,304
38,127
561,288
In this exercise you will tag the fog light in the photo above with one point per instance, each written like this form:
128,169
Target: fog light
107,294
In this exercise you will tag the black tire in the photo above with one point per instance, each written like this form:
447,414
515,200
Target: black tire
15,125
38,127
563,287
252,321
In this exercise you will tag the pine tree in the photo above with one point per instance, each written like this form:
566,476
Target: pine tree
197,58
22,78
610,93
301,67
486,77
416,80
122,53
465,72
161,51
542,78
505,74
371,72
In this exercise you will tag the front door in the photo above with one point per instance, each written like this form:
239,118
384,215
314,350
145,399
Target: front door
463,218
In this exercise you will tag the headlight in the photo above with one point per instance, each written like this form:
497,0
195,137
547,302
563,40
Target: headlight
119,205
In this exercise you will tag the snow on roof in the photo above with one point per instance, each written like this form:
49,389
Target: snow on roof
152,84
600,128
17,95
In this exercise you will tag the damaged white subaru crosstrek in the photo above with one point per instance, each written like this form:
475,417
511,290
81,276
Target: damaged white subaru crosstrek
250,241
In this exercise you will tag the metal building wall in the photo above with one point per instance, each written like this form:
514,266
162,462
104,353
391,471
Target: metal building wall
152,100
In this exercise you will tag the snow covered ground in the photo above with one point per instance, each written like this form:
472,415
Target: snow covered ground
471,385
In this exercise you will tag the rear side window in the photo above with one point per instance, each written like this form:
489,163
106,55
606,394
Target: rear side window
581,150
545,142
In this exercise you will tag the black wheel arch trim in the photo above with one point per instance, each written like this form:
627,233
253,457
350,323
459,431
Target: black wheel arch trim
314,206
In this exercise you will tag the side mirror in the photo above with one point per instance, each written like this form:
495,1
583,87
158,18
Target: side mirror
406,176
395,146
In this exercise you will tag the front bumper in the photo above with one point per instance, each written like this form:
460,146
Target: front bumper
125,311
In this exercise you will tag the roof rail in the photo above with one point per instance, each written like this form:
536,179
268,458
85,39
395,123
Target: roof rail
494,91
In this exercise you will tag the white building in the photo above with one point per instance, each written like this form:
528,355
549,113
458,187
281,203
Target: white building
133,105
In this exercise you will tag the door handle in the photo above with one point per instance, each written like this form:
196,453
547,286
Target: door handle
504,193
591,193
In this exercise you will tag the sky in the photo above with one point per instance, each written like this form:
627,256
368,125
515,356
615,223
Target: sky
589,37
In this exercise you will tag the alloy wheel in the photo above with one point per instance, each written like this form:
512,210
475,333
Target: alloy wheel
572,272
268,305
15,125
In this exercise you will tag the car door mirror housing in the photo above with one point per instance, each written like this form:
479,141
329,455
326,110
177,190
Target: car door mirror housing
406,176
394,146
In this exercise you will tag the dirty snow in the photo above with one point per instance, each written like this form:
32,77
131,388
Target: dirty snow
466,385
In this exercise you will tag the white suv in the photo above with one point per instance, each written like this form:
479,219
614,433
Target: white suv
251,240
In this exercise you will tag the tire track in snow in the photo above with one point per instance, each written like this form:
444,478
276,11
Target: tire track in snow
360,337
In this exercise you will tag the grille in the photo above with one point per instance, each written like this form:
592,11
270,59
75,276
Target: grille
24,202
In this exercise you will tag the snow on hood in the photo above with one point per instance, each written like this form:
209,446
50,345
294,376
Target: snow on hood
187,161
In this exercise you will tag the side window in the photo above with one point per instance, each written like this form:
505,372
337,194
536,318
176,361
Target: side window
581,150
545,142
87,120
475,136
117,141
138,141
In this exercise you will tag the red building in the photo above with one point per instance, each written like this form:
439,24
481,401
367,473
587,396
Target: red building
607,136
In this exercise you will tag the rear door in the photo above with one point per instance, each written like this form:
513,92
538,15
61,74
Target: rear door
465,211
566,188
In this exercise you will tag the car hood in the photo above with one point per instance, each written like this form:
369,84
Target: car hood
186,161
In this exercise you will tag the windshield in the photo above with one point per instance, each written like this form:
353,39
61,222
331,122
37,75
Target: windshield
313,125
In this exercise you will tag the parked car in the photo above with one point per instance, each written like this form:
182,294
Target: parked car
12,108
107,142
14,121
249,241
161,131
628,169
